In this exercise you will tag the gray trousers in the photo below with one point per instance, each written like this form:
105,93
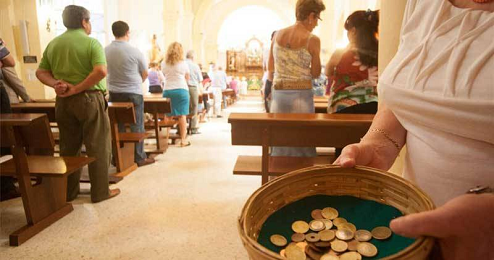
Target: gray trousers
82,119
194,101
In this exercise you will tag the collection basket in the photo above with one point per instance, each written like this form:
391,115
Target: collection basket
361,182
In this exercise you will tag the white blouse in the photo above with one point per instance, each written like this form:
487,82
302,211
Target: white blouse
440,86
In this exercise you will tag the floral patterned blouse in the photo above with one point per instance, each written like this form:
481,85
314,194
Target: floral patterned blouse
352,83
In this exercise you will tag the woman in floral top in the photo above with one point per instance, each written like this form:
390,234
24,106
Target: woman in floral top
352,72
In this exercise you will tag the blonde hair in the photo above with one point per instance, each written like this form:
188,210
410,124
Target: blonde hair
174,54
305,7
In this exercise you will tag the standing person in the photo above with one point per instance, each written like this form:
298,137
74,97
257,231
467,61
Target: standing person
268,84
218,84
13,85
293,63
75,66
353,71
177,74
127,71
193,83
7,187
437,98
156,78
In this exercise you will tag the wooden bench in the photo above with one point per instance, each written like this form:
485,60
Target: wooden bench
118,113
292,130
29,137
158,107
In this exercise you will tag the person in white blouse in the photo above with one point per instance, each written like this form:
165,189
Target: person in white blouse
437,97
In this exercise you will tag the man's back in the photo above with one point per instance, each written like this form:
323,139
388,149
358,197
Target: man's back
72,56
218,79
125,66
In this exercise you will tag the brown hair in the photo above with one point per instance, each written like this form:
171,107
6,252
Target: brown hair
366,24
174,54
305,7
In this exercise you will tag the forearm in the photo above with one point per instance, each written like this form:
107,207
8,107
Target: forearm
46,77
92,79
386,135
144,75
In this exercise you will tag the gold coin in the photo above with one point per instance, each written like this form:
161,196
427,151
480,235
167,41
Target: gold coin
381,233
348,226
344,234
317,225
322,244
300,227
293,252
298,237
352,245
329,257
339,221
339,246
327,223
282,253
302,245
367,249
312,237
351,256
326,235
363,235
316,214
329,213
278,240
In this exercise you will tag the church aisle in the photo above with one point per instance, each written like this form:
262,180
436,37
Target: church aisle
185,206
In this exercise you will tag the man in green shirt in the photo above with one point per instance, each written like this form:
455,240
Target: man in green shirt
75,66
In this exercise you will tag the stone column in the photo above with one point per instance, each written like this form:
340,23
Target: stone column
389,39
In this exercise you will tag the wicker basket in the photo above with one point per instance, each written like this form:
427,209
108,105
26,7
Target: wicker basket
362,182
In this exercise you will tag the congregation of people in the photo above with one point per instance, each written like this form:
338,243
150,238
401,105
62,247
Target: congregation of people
437,81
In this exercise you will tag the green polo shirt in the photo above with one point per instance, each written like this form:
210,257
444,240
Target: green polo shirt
72,56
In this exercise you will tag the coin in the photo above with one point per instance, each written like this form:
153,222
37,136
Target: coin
344,234
367,249
329,213
329,257
302,245
317,225
381,233
339,221
278,240
316,214
363,235
313,254
327,223
323,244
293,252
326,235
298,237
348,226
312,237
339,246
351,256
352,245
300,227
282,253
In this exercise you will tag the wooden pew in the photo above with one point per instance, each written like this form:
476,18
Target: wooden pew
294,130
45,202
159,107
122,143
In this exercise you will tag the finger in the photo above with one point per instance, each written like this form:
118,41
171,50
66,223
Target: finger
430,223
348,156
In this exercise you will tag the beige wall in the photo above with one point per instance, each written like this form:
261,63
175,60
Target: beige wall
11,12
389,39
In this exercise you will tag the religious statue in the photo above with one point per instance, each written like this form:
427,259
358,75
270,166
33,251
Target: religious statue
155,54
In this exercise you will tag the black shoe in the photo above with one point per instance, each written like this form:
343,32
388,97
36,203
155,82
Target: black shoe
218,116
196,132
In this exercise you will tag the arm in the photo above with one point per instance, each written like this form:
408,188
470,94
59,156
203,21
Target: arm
11,78
375,148
271,61
332,63
144,75
8,61
315,49
142,66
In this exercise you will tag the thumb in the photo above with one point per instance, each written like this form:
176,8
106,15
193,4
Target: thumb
430,223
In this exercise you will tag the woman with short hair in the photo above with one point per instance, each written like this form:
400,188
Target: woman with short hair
293,63
176,74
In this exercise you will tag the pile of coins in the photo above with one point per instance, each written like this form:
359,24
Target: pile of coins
329,237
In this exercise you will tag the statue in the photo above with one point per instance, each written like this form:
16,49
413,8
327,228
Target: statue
155,54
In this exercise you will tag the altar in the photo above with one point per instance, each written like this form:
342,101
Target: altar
247,63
